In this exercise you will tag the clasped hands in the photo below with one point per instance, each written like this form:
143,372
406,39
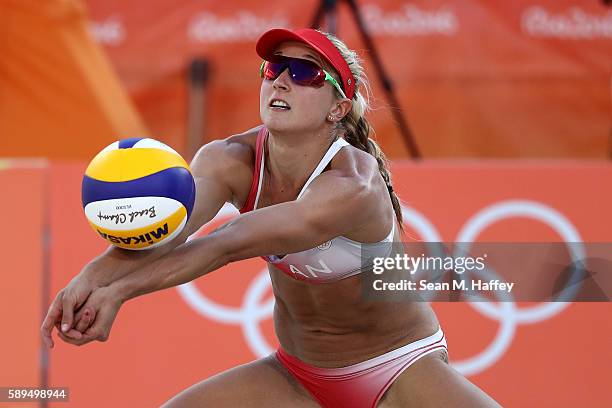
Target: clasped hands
81,312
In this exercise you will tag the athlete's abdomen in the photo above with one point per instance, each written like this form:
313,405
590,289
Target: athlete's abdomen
331,325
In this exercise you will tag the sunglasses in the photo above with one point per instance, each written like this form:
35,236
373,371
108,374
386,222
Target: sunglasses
302,72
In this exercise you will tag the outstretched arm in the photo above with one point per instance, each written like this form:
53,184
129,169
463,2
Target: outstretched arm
335,204
210,168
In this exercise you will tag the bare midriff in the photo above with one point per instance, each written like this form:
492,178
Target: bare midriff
333,325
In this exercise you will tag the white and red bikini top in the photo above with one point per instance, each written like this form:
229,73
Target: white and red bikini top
331,261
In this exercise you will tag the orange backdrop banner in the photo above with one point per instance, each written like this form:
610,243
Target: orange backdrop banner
525,354
477,78
164,342
59,95
22,213
474,78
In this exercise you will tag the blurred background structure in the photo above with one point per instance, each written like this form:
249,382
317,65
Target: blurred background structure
498,80
475,78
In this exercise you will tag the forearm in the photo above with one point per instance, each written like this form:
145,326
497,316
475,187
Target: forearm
276,229
116,263
232,241
183,264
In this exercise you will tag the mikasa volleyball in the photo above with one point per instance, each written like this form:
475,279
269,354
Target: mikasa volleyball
138,193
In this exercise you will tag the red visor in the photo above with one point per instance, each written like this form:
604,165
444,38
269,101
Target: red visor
269,41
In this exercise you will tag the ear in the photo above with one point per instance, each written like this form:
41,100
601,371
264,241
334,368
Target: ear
339,109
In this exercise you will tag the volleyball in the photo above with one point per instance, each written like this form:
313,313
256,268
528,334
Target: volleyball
138,193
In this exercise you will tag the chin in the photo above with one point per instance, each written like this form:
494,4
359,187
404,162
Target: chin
278,124
288,124
277,128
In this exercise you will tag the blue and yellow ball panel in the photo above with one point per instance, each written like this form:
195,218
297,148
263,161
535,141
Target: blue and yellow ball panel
130,164
129,142
138,193
175,183
137,223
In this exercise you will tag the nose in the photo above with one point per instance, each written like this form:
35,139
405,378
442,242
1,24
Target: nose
282,81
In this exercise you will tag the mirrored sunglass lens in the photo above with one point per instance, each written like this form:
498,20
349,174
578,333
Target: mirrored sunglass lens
273,69
306,73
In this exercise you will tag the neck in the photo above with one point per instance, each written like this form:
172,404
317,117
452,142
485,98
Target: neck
293,157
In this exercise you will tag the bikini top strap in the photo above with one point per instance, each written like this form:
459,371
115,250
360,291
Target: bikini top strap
329,155
253,196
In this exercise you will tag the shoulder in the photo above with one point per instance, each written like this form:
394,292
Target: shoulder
352,179
358,168
356,162
230,161
353,184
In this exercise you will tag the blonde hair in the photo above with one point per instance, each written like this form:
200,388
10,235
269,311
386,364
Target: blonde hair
355,127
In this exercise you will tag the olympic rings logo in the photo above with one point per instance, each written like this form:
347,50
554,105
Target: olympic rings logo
254,309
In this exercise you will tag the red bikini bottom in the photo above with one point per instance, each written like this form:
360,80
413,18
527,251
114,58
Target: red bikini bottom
359,385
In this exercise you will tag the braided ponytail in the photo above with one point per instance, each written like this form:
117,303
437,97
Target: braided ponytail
355,127
357,134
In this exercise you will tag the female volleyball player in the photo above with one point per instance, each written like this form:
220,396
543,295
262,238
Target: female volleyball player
314,192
